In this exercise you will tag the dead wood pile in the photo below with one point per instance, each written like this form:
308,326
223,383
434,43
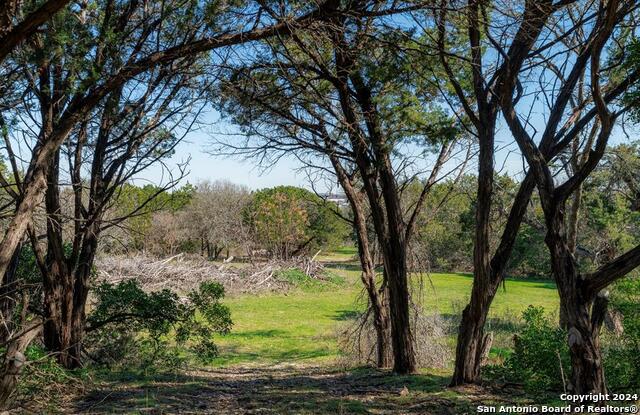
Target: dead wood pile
181,273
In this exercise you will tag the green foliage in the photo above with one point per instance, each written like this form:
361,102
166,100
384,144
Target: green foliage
448,234
27,268
143,202
622,353
299,278
632,63
540,349
128,320
288,220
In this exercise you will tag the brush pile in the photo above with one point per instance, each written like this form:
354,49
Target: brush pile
181,273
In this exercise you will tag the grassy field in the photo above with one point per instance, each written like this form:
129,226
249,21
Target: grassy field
302,326
281,356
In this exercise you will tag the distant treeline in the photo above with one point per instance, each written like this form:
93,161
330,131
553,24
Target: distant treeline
218,219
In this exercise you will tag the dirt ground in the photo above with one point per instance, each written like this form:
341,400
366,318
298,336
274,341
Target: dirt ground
285,389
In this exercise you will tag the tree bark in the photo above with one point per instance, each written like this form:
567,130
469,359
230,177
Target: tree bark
65,297
583,314
471,344
377,297
14,360
401,335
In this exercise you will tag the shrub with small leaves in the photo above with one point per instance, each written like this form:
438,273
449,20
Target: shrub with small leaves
622,352
540,351
127,321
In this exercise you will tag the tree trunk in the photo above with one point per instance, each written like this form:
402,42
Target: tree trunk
583,314
487,278
58,315
380,310
14,360
377,297
9,295
587,374
402,338
471,344
384,350
65,297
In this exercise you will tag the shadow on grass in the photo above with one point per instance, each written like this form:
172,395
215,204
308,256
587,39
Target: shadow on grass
235,354
252,334
508,323
345,315
278,391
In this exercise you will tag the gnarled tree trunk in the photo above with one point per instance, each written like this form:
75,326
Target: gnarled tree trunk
471,343
583,314
14,360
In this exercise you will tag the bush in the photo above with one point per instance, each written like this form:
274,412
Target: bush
130,324
622,353
540,351
357,341
44,384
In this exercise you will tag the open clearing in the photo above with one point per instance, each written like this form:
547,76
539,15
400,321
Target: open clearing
282,356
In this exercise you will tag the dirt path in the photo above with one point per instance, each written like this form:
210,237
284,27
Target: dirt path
282,390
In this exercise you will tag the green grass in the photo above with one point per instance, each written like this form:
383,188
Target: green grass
293,327
301,326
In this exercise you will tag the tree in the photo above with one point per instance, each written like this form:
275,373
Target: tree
14,31
500,48
87,64
582,299
323,96
213,219
209,31
132,214
288,220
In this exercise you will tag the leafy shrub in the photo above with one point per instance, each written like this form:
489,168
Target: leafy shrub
540,349
43,383
622,353
130,324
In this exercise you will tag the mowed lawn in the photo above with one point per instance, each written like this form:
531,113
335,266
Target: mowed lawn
302,325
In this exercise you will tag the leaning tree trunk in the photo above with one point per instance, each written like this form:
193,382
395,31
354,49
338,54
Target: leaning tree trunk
377,297
472,344
379,308
14,360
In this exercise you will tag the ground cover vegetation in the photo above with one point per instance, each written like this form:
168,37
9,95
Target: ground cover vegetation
469,233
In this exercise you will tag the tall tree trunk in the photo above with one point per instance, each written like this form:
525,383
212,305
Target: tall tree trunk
66,280
471,330
394,249
404,360
377,297
584,314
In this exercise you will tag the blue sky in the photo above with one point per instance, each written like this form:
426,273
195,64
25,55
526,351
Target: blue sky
204,166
